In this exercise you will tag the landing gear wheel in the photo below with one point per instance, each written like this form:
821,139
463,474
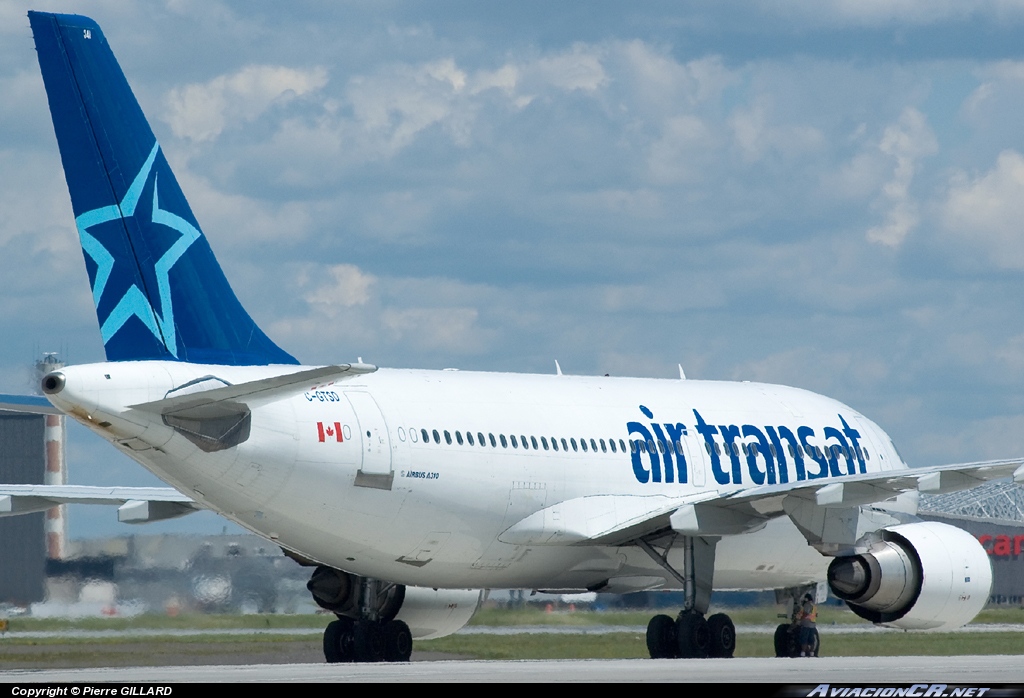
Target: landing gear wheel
692,636
397,641
783,640
661,638
338,641
723,636
369,641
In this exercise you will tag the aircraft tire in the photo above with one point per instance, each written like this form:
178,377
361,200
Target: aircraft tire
369,641
783,640
661,638
338,641
692,636
397,641
723,636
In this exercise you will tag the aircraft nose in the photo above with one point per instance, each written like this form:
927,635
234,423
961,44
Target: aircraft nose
53,382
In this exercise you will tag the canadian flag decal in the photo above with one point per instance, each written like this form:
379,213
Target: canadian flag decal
329,432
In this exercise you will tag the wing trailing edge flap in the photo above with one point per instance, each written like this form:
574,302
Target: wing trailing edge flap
621,519
195,398
135,504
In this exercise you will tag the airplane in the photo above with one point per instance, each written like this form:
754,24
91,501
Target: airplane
409,491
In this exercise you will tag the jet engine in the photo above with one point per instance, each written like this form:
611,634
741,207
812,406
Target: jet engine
916,576
429,613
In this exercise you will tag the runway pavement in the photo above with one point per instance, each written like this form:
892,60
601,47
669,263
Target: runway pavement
869,671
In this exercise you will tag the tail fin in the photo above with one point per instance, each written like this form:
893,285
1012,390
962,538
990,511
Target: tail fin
158,289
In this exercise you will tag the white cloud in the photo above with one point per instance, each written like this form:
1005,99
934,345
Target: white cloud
905,143
394,106
874,13
577,69
987,211
450,329
756,135
200,112
347,286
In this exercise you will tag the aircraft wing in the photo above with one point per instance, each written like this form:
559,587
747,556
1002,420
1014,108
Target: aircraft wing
622,519
33,404
135,504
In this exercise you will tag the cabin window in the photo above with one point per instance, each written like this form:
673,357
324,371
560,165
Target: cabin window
544,442
512,438
437,437
583,445
611,442
533,441
447,437
604,449
504,444
494,444
565,446
573,442
458,437
554,444
414,435
469,438
426,437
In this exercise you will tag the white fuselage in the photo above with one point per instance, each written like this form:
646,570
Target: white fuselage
383,501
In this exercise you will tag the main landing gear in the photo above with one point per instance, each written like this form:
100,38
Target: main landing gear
347,640
690,635
366,629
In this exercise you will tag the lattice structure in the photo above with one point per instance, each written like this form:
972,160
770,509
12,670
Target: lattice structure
999,500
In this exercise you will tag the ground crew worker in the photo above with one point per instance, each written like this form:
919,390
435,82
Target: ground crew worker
807,618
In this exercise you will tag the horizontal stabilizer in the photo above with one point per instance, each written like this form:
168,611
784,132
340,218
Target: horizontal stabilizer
136,504
256,392
32,404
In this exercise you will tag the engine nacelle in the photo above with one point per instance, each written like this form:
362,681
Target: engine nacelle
432,613
917,576
429,613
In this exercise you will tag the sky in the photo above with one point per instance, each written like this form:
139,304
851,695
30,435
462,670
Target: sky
820,194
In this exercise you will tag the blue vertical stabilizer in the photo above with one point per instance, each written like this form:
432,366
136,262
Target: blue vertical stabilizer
158,289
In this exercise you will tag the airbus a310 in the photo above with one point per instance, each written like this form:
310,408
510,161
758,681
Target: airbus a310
407,491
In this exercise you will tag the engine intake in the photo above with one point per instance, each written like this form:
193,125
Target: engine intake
915,576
